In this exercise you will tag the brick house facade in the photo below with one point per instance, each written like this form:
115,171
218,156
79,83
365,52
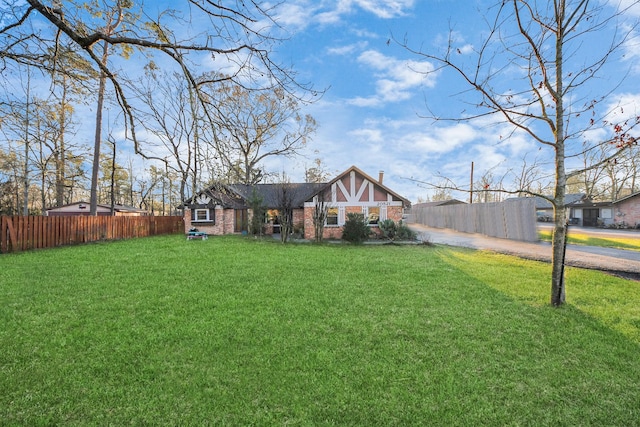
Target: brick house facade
624,212
353,191
224,209
627,210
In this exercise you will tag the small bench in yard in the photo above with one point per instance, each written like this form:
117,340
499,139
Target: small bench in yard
197,235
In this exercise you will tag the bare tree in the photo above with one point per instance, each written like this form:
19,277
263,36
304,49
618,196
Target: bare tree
286,196
528,177
114,17
255,125
551,46
320,211
237,39
177,126
318,172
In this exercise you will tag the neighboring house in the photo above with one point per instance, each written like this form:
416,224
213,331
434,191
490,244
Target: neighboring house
587,213
624,212
627,211
82,208
544,208
225,208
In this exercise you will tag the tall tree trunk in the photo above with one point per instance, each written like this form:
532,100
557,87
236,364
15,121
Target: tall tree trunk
93,209
25,194
60,154
559,213
112,183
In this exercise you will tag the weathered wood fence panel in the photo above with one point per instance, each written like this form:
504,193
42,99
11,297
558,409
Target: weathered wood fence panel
511,219
21,233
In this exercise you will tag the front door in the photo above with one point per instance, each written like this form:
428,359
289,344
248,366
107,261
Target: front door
241,221
590,217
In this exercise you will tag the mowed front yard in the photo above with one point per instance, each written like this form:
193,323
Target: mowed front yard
235,331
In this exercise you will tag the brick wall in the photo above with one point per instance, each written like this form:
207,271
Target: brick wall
628,211
224,222
299,220
335,232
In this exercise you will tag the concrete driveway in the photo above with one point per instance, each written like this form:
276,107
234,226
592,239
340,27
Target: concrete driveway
617,261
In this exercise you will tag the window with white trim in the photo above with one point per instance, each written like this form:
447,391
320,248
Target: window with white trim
373,215
332,216
203,215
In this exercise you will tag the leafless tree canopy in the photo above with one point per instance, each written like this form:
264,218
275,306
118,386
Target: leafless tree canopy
201,45
234,39
538,68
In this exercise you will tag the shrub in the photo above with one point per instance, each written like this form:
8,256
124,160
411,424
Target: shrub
396,231
259,211
405,233
355,228
388,228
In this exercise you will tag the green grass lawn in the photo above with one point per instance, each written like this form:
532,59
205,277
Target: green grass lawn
233,331
577,238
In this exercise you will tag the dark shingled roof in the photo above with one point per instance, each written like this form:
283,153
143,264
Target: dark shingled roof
237,196
271,193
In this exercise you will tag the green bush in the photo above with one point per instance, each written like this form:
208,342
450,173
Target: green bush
356,229
405,233
388,228
396,231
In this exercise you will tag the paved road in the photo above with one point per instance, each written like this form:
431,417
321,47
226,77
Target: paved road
613,260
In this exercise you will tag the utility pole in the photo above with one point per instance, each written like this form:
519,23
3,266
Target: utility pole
471,186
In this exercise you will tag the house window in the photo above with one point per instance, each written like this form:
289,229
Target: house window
271,216
373,215
203,215
332,216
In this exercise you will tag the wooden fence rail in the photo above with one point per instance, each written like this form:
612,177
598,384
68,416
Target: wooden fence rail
21,233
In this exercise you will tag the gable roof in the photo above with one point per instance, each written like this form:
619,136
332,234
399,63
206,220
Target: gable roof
376,182
237,196
630,196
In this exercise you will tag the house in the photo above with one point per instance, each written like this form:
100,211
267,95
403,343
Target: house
627,211
82,209
225,208
544,208
581,210
624,212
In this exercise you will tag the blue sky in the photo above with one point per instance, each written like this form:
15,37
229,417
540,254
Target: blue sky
370,115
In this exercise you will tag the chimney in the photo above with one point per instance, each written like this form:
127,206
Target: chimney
380,177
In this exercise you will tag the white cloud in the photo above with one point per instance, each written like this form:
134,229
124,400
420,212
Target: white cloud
347,49
630,7
298,14
294,15
397,78
369,135
440,140
385,8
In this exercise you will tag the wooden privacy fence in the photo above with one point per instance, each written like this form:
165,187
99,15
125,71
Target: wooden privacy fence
511,219
20,233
